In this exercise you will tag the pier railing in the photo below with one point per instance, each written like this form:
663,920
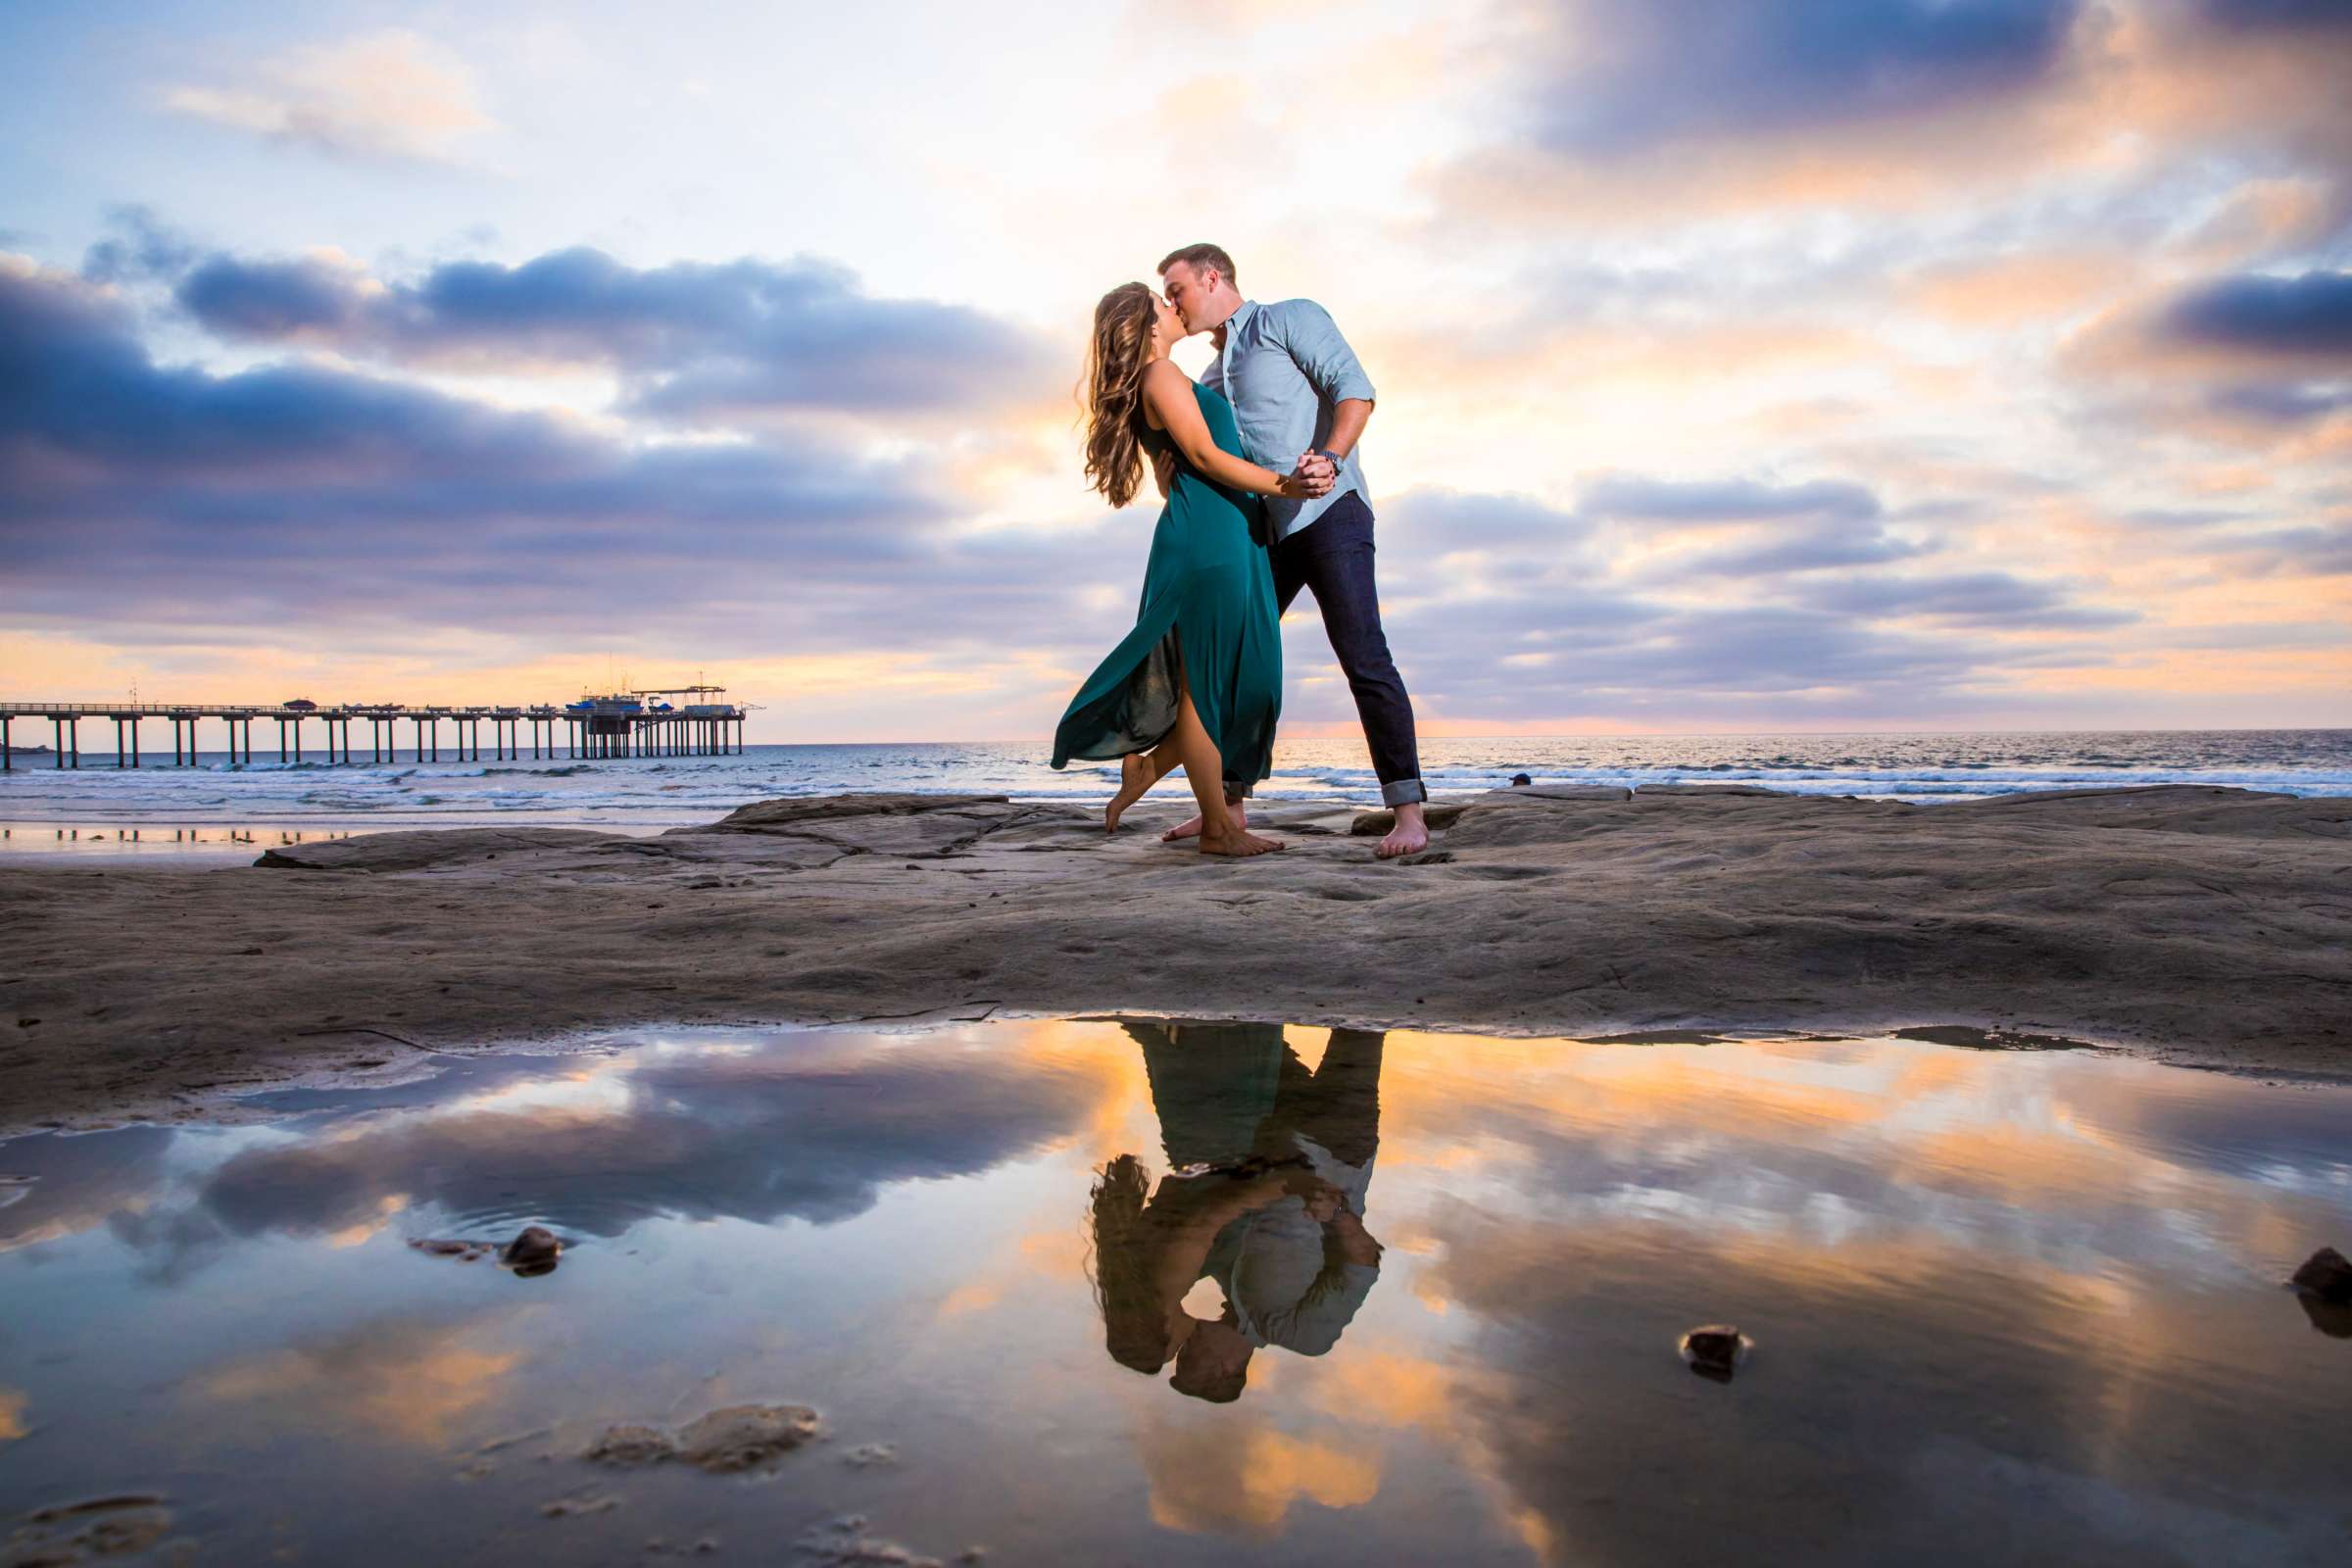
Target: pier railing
603,728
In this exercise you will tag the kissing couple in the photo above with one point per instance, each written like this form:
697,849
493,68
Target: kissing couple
1198,683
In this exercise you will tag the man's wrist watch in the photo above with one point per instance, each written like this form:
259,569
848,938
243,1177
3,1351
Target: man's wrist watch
1337,461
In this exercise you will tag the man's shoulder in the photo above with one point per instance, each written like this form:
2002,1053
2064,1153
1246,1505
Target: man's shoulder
1287,312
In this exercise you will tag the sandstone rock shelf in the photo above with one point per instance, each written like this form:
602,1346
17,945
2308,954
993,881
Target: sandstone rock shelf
2203,926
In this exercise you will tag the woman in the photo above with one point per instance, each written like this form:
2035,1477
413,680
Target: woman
1198,683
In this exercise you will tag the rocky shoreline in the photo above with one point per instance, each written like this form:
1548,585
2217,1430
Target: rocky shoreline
2200,925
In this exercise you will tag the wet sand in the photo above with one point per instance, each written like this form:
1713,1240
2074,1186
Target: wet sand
2198,925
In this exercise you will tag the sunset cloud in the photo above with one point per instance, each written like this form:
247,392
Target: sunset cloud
1936,363
389,95
694,342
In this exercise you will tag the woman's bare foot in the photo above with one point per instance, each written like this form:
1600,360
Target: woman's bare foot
1190,827
1135,778
1234,843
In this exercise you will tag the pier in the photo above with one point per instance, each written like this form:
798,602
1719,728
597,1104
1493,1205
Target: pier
614,725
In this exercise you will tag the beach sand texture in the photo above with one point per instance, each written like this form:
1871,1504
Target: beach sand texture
2199,925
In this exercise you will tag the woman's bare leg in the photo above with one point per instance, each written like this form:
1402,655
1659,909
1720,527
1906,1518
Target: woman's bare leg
1204,771
1138,772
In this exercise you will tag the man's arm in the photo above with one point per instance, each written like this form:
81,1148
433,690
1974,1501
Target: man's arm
1348,416
1313,341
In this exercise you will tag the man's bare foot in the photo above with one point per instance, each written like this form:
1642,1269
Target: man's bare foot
1135,778
1234,843
1411,835
1190,827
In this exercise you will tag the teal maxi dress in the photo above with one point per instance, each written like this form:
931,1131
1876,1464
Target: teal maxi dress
1209,593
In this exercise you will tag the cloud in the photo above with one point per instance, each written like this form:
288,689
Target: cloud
394,1379
144,247
1735,601
246,505
389,95
2309,316
2256,360
814,1133
1613,116
2284,15
2322,550
1626,75
1627,497
1997,598
695,342
1777,528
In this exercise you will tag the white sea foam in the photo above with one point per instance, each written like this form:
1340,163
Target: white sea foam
655,793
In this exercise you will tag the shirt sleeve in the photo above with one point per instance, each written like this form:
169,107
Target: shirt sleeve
1313,1324
1312,339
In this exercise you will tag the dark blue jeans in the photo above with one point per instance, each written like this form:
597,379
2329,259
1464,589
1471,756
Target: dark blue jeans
1333,556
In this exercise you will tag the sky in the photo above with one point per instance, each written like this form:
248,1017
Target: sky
1812,366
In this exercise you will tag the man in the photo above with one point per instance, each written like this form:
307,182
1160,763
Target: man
1274,1161
1295,386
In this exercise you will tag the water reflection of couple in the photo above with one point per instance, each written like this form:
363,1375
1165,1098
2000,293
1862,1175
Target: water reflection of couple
1265,496
1269,1164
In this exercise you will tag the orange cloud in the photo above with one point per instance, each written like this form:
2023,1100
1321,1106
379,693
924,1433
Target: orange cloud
1207,1477
417,1383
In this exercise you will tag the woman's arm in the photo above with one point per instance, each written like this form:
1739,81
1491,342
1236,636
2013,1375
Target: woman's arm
1168,393
1187,1213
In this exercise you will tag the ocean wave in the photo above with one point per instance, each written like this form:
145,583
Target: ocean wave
676,791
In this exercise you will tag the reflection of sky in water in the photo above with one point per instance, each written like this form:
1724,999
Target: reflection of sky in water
2007,1305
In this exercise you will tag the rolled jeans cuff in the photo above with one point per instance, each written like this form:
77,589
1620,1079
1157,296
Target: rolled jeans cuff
1403,792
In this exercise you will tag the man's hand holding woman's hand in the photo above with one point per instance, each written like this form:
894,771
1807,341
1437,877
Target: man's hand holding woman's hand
1311,479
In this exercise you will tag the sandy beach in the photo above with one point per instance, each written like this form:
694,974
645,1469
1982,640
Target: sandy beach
2197,925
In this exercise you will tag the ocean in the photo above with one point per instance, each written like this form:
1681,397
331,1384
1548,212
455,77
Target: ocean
665,792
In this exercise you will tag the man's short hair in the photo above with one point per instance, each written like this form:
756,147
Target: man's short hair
1199,256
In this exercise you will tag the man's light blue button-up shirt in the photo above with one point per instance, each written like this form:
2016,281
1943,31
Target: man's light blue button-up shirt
1284,368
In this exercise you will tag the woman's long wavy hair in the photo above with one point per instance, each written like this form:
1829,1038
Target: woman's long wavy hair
1135,1328
1112,390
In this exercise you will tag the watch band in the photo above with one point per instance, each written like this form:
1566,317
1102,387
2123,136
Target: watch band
1337,461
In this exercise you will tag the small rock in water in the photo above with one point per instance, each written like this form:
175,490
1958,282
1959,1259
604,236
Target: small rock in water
745,1437
868,1455
103,1527
2326,1275
1520,781
631,1445
535,1251
843,1544
1715,1350
579,1504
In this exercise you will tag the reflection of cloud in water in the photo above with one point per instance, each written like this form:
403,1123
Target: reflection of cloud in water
411,1381
1822,1143
1207,1477
14,1402
809,1131
82,1179
1946,1370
